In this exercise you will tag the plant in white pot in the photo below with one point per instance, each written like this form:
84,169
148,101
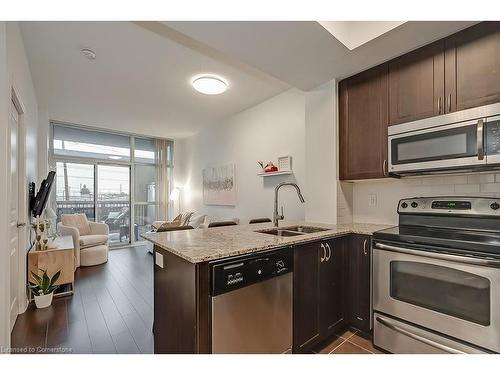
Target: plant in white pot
43,288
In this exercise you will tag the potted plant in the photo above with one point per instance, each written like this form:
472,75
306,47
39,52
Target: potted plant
43,288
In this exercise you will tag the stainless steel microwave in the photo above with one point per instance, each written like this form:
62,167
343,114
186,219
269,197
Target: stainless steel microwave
463,141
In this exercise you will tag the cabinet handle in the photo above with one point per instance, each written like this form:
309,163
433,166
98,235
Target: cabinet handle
449,102
384,167
324,253
439,105
329,252
364,247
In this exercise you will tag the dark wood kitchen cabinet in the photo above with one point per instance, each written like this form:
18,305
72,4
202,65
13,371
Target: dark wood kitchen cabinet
363,122
472,71
319,295
306,296
359,282
416,84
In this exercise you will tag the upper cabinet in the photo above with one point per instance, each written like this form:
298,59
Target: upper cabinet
459,72
363,121
473,67
416,84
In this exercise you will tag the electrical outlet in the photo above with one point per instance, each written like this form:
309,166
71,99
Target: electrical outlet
372,200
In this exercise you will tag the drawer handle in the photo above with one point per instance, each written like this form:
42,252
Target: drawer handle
414,336
324,253
364,247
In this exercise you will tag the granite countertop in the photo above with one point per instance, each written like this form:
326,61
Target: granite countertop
201,245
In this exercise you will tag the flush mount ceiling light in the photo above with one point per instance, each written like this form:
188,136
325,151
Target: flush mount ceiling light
88,53
209,84
114,157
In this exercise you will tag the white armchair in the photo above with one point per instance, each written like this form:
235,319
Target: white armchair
89,239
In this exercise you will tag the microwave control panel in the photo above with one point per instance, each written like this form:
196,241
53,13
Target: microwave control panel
493,137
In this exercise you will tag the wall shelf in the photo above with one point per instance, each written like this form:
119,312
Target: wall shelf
278,173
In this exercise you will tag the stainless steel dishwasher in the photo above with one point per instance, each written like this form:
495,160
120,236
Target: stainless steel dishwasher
252,303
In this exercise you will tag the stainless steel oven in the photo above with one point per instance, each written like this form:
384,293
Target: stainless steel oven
465,140
436,277
453,295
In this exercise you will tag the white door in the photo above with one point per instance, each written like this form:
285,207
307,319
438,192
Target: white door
14,214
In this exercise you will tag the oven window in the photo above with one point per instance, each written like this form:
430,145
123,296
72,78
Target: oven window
446,290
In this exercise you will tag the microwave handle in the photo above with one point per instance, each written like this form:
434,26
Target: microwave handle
480,139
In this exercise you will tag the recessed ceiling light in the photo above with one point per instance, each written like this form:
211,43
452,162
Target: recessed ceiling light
209,84
114,157
88,53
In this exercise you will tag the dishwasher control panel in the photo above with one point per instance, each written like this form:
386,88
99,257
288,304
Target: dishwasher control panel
245,270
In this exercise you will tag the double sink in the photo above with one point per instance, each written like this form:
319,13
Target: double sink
297,230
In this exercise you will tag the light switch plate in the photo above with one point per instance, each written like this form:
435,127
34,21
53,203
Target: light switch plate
158,259
372,200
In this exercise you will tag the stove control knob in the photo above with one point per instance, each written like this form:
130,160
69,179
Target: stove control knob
404,205
414,204
495,206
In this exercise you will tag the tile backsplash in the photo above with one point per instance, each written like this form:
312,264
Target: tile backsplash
358,206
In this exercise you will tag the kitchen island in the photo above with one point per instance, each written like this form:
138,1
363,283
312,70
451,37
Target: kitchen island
182,280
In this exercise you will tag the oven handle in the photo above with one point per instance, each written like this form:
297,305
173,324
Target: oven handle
414,336
453,258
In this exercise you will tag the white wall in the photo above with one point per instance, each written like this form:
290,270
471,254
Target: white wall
389,191
321,154
4,251
15,73
264,132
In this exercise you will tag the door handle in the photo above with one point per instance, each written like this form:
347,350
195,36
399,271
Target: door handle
20,225
324,253
480,139
364,247
329,252
414,336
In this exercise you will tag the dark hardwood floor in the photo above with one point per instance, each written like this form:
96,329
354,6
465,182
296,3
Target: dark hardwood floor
110,312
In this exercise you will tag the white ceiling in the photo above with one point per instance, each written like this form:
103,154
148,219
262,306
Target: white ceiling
140,80
305,54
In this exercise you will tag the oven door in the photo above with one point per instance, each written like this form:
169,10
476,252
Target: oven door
450,294
455,146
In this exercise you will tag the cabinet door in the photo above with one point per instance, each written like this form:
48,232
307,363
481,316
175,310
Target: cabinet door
473,67
363,121
332,291
360,282
306,329
416,84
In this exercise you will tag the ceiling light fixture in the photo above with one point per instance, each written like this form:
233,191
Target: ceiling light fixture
88,53
114,157
209,84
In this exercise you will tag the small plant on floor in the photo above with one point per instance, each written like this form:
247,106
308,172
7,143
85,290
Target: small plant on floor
43,288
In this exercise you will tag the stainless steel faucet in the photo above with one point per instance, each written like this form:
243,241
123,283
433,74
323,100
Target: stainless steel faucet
276,215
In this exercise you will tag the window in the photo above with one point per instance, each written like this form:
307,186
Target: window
75,189
83,143
95,174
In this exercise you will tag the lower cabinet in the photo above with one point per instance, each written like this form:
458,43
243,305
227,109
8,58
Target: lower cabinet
359,282
319,294
331,289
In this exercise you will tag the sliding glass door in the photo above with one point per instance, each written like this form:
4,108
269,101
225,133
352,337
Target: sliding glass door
113,201
75,187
